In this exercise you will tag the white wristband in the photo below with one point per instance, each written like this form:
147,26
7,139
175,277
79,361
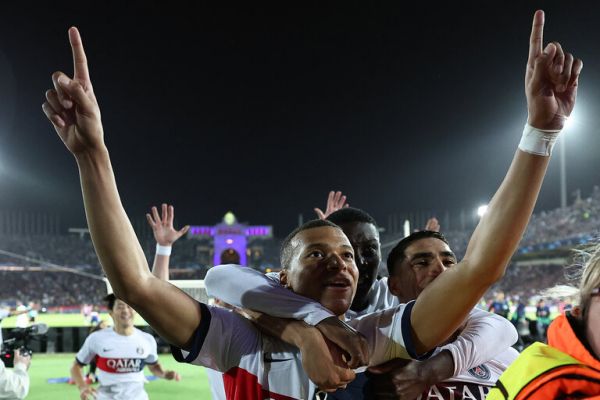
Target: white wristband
163,250
537,141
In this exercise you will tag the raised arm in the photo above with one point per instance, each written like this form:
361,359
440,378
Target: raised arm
74,112
165,235
551,87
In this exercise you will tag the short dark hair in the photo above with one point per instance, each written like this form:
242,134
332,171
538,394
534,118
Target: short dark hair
286,251
351,214
397,253
110,300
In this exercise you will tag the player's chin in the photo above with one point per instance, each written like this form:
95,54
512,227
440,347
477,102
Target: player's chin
337,305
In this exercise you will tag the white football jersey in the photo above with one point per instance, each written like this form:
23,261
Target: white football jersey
120,362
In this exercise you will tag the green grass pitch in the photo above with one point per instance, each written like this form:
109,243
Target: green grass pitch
193,384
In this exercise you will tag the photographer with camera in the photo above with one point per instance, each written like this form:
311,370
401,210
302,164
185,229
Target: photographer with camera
15,358
14,383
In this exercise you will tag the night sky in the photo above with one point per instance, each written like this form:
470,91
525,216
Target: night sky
263,110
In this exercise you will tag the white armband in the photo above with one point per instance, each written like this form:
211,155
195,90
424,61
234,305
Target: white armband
163,250
538,141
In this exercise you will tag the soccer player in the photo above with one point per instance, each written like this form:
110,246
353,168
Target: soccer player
166,235
318,260
120,352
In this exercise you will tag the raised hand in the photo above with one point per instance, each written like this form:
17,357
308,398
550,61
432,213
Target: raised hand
432,225
72,107
551,80
162,226
335,201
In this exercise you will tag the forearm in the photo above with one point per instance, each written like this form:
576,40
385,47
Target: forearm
246,288
290,331
160,267
77,376
485,336
490,249
506,218
437,368
156,370
115,242
171,313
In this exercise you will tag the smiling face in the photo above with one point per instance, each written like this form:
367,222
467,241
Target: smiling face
122,314
364,238
423,261
322,268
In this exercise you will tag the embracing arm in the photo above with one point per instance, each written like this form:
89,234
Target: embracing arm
484,337
73,110
550,99
247,288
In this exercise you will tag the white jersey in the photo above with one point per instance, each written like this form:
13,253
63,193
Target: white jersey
474,383
120,362
484,339
257,366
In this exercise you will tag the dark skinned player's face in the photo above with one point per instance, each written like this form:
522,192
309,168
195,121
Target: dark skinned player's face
322,268
364,239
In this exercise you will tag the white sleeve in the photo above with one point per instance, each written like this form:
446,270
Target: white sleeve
220,341
247,288
484,337
153,354
86,354
389,334
14,384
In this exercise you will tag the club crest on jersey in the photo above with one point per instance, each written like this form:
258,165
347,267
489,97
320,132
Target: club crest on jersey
480,372
140,350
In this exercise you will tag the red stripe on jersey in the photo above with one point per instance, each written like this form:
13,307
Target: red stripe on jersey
241,385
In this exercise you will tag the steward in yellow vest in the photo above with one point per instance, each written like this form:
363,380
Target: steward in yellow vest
564,369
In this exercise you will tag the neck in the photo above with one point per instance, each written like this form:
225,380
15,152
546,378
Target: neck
123,330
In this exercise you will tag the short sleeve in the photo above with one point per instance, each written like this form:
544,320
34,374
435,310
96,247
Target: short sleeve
86,354
220,341
153,352
389,334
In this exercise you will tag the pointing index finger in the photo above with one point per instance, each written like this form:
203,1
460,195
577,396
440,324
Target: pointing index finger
537,36
80,65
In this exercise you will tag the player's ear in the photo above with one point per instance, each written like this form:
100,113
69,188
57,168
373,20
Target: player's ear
283,277
395,286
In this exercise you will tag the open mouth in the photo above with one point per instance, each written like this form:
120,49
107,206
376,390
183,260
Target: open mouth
338,283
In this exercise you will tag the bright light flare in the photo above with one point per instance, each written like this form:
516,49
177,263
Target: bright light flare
481,210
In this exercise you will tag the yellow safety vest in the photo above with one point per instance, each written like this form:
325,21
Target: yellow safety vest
543,372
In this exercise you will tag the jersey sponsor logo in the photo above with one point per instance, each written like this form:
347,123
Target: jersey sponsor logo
480,372
455,391
120,365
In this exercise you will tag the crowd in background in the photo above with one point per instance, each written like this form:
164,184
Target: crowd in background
576,224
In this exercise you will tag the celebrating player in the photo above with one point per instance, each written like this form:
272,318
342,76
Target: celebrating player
318,259
121,352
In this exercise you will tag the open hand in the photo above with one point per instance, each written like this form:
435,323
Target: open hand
335,201
162,226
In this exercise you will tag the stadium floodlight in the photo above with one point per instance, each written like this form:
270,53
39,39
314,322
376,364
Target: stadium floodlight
569,123
481,210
